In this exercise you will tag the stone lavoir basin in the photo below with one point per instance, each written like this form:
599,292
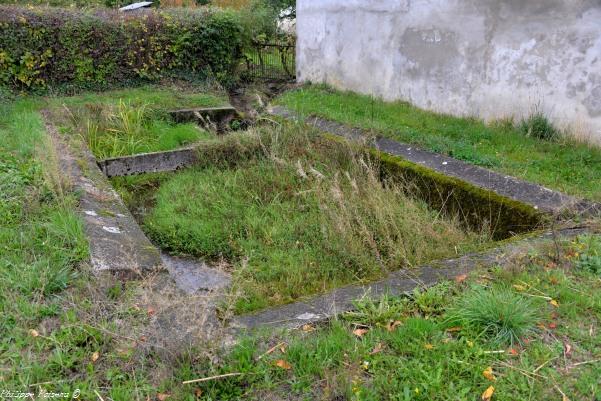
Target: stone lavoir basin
282,212
288,213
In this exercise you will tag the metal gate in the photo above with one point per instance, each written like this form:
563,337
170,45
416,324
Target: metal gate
271,61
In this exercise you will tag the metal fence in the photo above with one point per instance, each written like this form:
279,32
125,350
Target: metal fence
271,61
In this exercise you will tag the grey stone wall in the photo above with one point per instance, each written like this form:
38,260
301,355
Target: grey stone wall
486,58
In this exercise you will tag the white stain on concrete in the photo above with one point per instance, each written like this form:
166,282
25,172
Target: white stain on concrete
112,230
308,316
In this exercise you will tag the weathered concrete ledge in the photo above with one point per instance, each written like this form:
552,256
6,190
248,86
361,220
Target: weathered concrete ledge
397,283
540,198
219,117
155,162
117,244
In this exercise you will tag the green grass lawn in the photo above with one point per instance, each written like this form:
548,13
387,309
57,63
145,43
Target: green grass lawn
499,328
300,216
563,164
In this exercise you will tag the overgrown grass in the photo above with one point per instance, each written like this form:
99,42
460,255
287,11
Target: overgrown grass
408,349
303,216
64,330
129,129
537,125
133,124
562,164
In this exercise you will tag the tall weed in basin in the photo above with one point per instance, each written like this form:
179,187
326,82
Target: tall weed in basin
129,128
499,314
370,220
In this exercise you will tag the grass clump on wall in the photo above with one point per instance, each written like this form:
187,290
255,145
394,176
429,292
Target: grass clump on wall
537,125
49,47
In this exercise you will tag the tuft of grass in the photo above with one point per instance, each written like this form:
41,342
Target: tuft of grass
564,164
499,314
537,125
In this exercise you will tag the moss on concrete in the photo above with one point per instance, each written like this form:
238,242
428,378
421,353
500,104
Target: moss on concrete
474,206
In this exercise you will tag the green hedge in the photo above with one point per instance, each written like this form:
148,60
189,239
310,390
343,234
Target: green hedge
48,47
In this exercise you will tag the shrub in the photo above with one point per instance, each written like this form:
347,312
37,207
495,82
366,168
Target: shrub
501,315
51,47
537,125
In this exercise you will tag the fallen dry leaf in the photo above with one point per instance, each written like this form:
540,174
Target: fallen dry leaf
378,348
460,278
163,396
198,392
307,328
554,303
34,333
488,374
454,329
150,311
513,351
392,325
280,363
552,325
428,346
95,356
519,287
283,348
567,348
360,332
487,394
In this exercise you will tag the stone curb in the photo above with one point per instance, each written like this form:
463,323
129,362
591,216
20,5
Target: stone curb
400,282
117,244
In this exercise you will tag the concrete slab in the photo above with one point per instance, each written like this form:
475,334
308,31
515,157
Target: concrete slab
194,276
397,283
208,117
537,196
149,162
117,244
